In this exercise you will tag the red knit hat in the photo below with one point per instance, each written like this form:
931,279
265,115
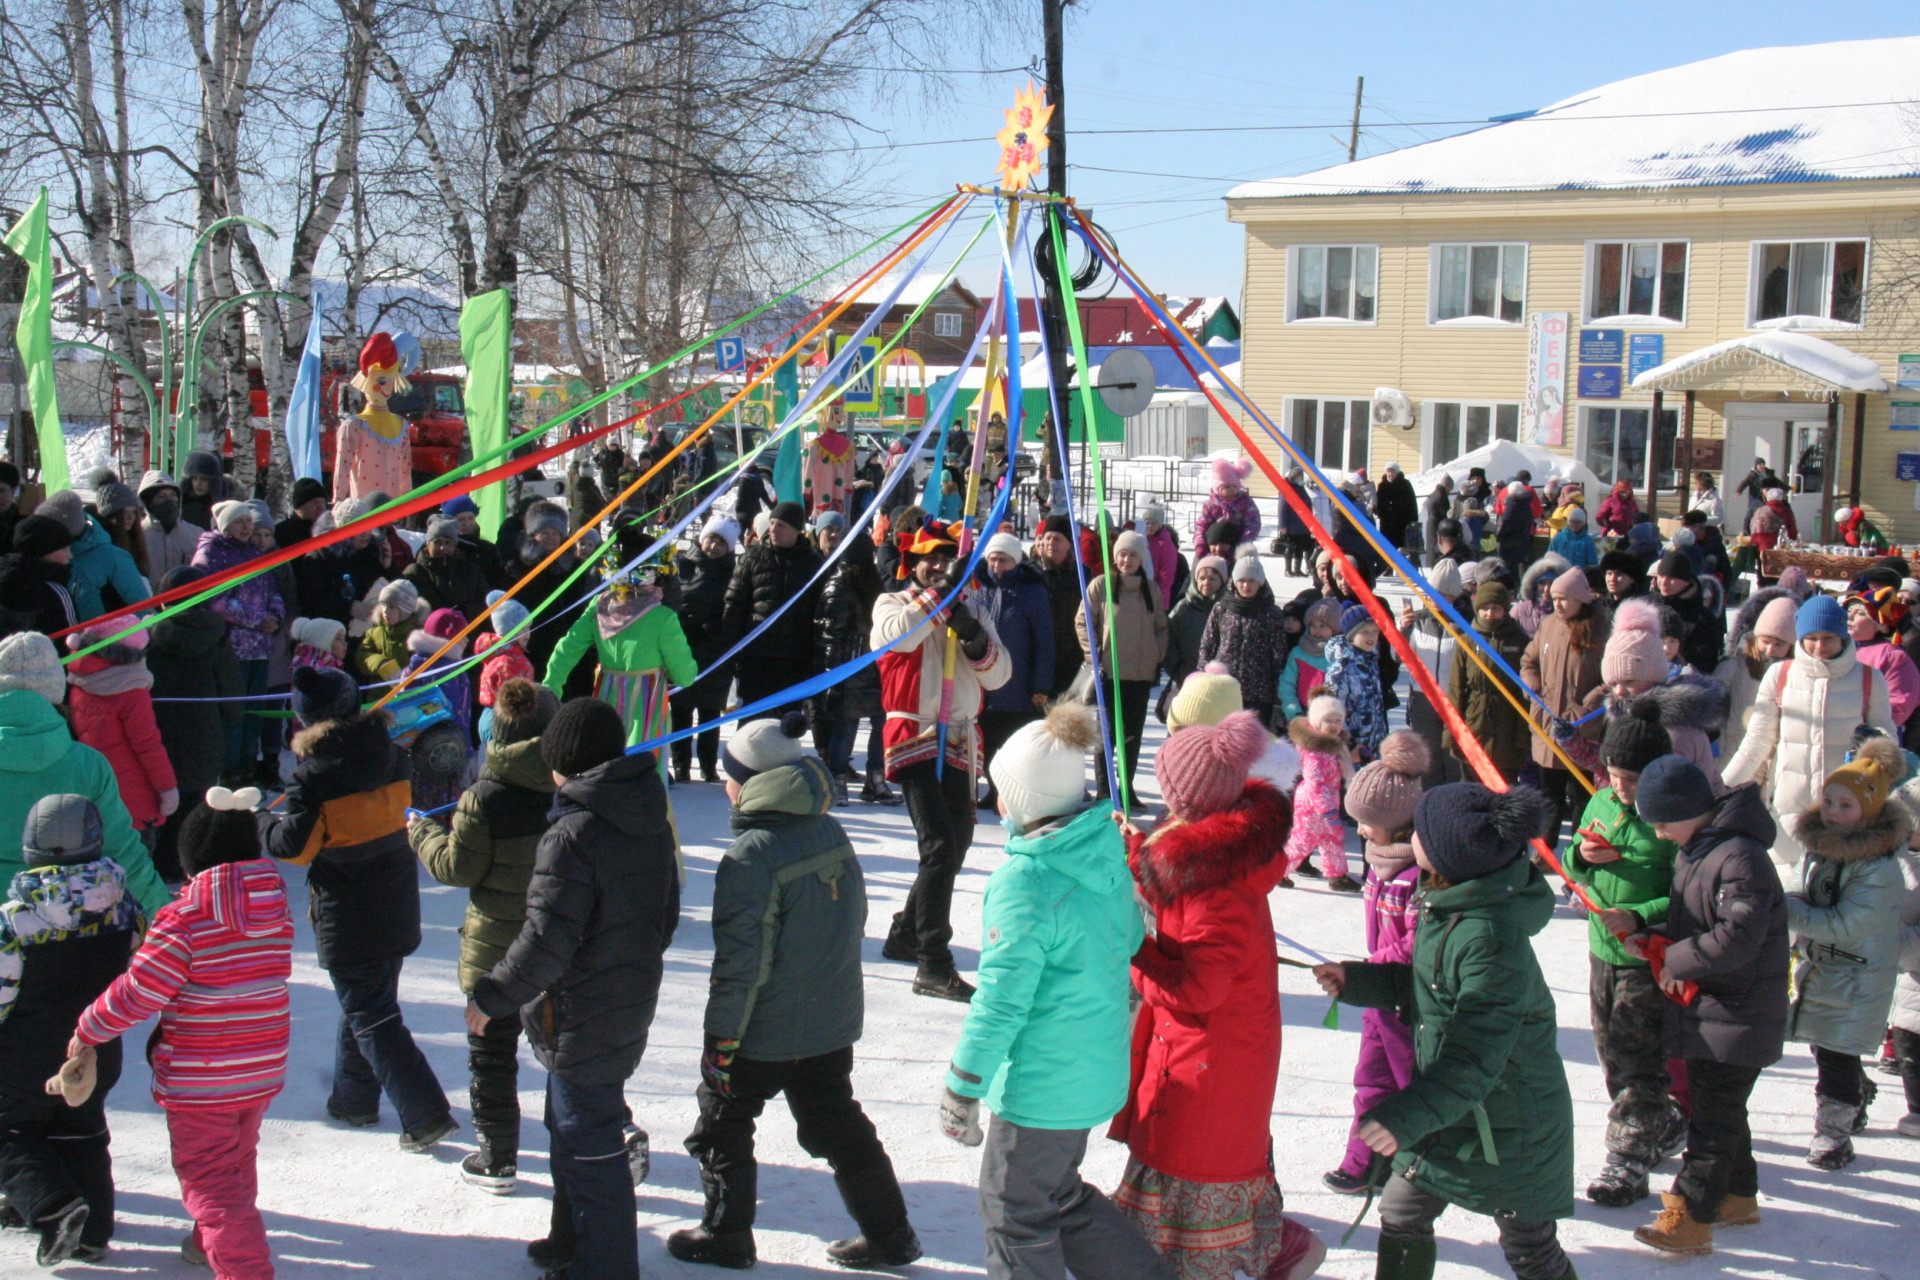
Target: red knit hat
379,355
1203,768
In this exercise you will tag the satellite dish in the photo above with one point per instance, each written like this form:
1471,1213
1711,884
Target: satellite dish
1126,381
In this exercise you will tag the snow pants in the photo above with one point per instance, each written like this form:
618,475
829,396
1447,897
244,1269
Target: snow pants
1629,1018
1384,1069
1719,1160
1043,1219
592,1180
214,1157
375,1053
493,1064
1532,1248
51,1152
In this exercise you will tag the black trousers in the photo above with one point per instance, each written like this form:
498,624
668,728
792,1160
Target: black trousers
1906,1048
1840,1076
1532,1249
1558,785
764,678
829,1124
51,1152
1629,1019
995,728
1719,1159
1126,724
943,810
701,704
493,1062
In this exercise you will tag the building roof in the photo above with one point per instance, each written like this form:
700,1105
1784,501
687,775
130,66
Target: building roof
1799,360
917,289
1807,113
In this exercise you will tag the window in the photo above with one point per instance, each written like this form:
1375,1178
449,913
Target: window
1479,282
946,324
1814,279
1455,427
1334,434
1644,279
1334,282
1616,445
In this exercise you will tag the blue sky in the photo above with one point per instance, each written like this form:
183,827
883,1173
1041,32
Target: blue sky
1180,64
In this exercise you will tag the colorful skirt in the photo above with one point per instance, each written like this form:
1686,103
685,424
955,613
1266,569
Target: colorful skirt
641,699
1210,1230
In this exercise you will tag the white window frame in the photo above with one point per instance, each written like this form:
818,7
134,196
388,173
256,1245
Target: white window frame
1437,250
1583,435
1628,320
947,324
1429,409
1294,274
1362,406
1795,320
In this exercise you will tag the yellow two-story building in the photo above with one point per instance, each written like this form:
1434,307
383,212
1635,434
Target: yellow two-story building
1736,242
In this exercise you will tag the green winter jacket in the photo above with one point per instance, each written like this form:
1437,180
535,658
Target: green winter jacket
383,653
39,758
1487,1123
789,913
653,641
1640,881
1046,1037
489,850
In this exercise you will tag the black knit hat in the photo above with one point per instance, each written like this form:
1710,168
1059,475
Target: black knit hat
1223,532
323,693
40,535
305,490
213,836
791,514
1675,564
1622,562
1468,831
522,710
1636,739
584,734
1673,789
1058,524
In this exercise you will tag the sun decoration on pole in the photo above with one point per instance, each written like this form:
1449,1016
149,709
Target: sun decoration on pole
1024,138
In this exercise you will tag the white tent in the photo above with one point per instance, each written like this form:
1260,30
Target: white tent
1503,458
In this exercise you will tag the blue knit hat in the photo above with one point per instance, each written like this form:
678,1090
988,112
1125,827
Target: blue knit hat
462,505
1352,616
1820,613
1674,789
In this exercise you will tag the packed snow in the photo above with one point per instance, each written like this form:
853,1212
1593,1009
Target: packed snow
343,1202
1824,364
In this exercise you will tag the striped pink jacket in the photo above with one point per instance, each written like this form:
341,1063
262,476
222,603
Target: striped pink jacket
214,967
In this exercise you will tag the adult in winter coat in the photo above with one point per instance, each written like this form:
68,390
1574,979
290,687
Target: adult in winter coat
704,576
1476,503
202,485
642,652
171,538
1206,1041
785,1007
254,612
190,658
1805,714
36,579
1247,634
773,571
546,529
1129,632
1762,635
103,575
1436,507
1187,623
1012,599
584,974
1433,644
1053,560
1562,665
1773,521
1394,506
1533,603
842,623
343,818
1620,511
110,703
448,577
1515,536
1164,563
1229,501
1489,716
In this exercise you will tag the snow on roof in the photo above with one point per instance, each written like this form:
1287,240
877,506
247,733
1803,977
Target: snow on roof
1806,113
918,288
1505,458
1812,363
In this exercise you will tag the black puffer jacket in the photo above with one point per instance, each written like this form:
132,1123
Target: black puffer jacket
1062,582
601,910
452,582
542,638
189,657
842,622
765,578
34,596
330,581
703,601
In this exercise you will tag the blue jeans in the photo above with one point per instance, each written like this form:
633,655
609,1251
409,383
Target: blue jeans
846,730
592,1182
375,1052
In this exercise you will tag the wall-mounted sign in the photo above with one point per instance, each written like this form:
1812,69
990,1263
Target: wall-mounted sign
1909,376
1906,466
1645,351
1602,346
1906,416
1599,382
1545,412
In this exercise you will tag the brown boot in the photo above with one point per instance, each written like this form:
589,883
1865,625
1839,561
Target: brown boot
1673,1229
1738,1211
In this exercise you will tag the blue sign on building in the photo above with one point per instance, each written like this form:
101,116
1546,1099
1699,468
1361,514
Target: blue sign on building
729,353
1601,346
1907,466
1599,382
1645,351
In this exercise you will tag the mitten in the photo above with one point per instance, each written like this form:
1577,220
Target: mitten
169,801
76,1078
960,1118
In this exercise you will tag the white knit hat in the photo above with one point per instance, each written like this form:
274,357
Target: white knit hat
318,633
347,510
1041,772
225,513
402,595
726,530
1249,566
1134,542
29,661
1004,544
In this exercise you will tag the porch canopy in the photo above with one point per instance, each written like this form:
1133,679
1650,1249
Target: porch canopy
1773,360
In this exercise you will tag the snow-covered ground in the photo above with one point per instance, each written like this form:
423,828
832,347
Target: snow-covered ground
340,1203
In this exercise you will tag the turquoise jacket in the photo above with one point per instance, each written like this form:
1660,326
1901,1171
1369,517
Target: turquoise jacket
98,564
1579,549
1046,1038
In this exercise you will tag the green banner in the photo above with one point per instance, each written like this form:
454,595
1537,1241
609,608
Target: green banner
486,344
34,336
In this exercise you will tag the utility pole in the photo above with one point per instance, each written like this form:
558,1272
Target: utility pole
1353,134
1053,318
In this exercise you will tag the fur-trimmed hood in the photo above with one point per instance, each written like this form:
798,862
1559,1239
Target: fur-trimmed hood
1747,616
1307,738
1886,834
1246,842
1549,566
1685,702
336,739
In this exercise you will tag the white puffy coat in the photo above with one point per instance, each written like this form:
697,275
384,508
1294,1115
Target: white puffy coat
1906,988
1804,717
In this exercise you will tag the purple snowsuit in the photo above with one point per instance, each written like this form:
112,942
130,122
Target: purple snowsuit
1386,1043
1240,510
246,604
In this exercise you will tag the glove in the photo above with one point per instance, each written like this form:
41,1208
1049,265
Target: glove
955,575
961,620
169,801
1562,730
716,1065
960,1118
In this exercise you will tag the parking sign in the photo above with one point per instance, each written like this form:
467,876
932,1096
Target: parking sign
729,353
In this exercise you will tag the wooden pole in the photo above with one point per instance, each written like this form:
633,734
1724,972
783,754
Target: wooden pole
1353,134
1859,447
1653,459
1830,462
1686,453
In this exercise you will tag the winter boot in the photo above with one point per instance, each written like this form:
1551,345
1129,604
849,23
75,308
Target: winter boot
1673,1229
942,983
876,791
1622,1182
545,1252
894,1249
1868,1092
639,1152
732,1249
683,772
1346,1184
1672,1138
191,1253
1831,1147
493,1174
1402,1259
1908,1125
1344,884
430,1134
1307,871
1738,1211
60,1230
10,1218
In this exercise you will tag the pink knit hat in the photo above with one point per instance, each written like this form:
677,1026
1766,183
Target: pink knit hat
1635,650
1573,585
1776,620
1386,792
1203,768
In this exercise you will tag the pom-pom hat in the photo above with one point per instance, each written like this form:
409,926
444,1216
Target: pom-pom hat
1203,769
760,745
1635,652
1636,739
1041,771
1468,831
1385,793
1871,775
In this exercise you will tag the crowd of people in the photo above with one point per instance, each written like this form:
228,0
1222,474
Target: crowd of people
156,775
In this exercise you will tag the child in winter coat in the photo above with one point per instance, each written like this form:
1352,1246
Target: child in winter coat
1503,731
1326,763
1874,617
1487,1122
1045,1034
1306,665
1382,800
1573,543
441,626
1906,988
214,967
1230,502
1628,872
318,642
67,926
1722,960
111,705
383,651
1206,1044
505,656
1247,632
1353,676
1845,918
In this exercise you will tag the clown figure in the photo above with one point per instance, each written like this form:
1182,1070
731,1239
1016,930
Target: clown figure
374,453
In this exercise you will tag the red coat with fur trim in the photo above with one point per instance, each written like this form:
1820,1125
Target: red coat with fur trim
1206,1046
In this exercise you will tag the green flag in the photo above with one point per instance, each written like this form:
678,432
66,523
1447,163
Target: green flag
486,344
34,336
786,463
